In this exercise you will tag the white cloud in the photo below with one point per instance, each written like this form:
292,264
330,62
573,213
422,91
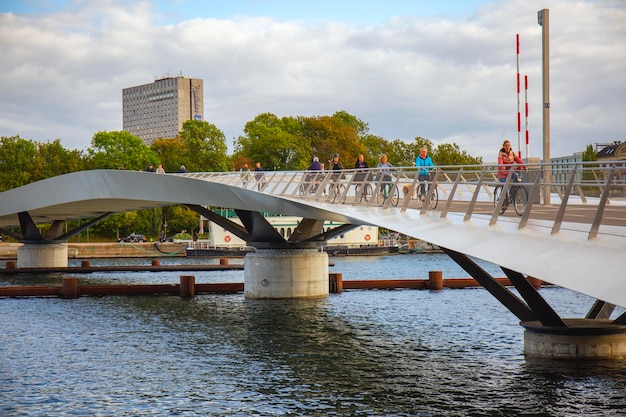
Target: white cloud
63,72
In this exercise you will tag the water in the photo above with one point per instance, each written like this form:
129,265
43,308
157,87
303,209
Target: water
359,353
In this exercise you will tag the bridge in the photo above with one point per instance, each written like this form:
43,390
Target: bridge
570,232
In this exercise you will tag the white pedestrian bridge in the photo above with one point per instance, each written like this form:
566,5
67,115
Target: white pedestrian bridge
568,229
574,238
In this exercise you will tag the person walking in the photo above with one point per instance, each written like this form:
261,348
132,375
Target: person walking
244,173
259,176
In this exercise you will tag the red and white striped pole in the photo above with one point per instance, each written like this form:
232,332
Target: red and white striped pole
526,111
519,118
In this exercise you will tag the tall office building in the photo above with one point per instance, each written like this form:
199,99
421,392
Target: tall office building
159,109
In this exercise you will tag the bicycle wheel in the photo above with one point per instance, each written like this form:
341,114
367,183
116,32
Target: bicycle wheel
520,199
497,193
382,194
366,193
395,195
434,199
338,191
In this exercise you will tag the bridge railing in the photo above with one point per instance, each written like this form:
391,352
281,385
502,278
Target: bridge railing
581,196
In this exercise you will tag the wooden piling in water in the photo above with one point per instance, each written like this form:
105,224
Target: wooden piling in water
187,286
69,288
335,282
435,280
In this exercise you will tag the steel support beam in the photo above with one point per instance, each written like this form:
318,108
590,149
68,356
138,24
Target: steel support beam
547,316
506,297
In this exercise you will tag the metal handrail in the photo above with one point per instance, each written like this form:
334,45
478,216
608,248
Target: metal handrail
586,187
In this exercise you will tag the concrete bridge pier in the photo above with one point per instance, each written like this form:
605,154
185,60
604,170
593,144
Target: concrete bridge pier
42,255
582,339
286,273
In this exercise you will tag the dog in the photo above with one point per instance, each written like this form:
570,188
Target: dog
405,190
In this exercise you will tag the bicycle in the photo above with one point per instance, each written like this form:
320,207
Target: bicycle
310,185
516,195
388,190
363,190
337,190
434,198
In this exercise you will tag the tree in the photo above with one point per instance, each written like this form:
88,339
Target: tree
330,134
589,154
109,150
375,146
451,154
402,154
274,142
205,147
17,157
170,152
361,127
53,159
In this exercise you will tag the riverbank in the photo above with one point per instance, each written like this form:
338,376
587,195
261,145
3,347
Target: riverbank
8,251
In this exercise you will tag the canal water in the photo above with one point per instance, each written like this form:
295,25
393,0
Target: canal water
456,352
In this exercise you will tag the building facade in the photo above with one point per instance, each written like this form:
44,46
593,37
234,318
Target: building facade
159,109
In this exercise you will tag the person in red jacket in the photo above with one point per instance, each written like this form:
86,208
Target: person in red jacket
506,159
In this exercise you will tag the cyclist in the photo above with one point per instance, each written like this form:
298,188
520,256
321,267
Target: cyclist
424,161
314,177
360,162
506,158
384,175
335,165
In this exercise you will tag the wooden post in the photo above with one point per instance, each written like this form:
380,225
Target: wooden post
335,282
435,280
156,262
187,286
223,261
85,264
69,288
10,265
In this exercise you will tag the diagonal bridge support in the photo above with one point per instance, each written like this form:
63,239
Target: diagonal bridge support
546,334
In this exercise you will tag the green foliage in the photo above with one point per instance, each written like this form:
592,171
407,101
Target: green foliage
170,152
273,142
451,154
53,159
17,160
330,134
402,154
205,147
375,146
109,150
589,154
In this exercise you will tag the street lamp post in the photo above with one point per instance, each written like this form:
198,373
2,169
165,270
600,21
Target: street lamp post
543,17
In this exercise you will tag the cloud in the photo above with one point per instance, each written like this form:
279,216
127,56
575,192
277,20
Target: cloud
63,72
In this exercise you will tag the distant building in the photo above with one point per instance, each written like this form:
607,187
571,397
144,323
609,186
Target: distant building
612,152
562,167
159,109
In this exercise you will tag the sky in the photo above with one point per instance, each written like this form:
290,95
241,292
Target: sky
442,70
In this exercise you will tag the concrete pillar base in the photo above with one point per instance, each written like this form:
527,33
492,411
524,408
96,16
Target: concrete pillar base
286,273
583,339
42,255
